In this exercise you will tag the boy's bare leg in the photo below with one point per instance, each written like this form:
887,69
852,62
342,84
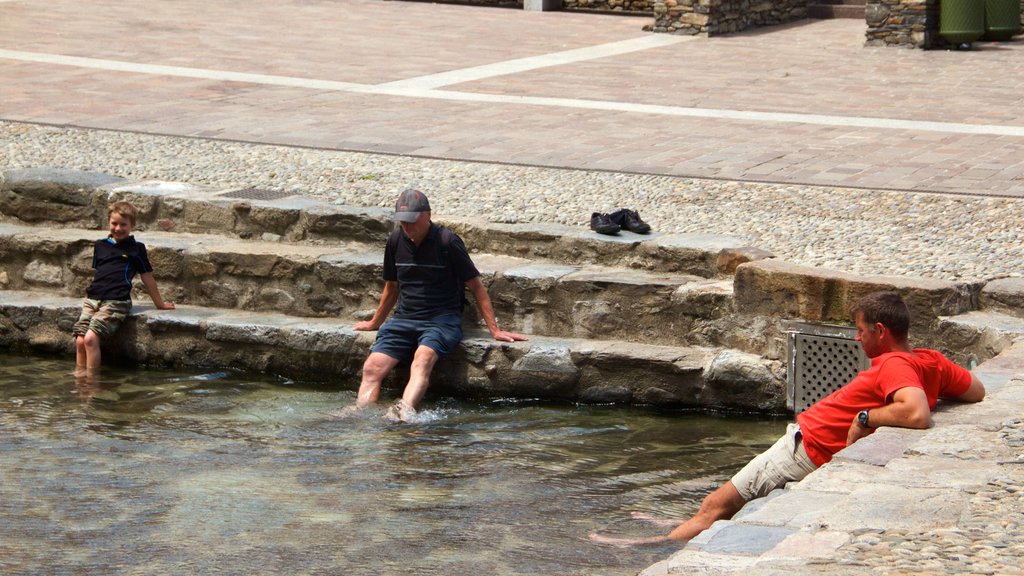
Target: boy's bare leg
91,344
80,355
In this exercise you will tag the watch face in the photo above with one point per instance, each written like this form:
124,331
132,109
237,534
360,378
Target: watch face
862,417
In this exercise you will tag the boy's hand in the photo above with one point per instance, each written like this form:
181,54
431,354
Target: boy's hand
167,306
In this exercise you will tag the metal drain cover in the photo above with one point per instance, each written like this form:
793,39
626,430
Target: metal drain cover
257,194
821,359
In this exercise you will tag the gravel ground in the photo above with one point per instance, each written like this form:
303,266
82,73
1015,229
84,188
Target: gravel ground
950,237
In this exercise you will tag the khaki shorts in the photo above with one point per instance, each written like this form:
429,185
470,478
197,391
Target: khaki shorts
103,317
786,461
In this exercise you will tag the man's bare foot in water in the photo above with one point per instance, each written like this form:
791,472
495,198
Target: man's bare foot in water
400,412
627,542
656,520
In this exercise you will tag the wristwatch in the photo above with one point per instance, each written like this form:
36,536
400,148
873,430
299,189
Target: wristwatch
862,418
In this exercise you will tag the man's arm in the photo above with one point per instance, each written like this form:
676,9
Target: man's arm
975,392
387,301
908,409
483,303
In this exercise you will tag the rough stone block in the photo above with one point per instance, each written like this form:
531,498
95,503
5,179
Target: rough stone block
963,442
242,332
54,194
182,319
880,447
795,509
729,258
739,379
777,288
745,539
704,299
327,339
806,546
1006,295
888,507
43,274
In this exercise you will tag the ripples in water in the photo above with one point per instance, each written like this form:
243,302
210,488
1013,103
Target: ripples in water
146,471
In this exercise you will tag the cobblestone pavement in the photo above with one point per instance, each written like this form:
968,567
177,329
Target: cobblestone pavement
948,237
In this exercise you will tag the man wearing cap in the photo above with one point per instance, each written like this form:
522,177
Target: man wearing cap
426,272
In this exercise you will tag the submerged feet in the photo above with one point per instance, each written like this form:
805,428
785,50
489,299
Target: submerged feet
397,412
400,412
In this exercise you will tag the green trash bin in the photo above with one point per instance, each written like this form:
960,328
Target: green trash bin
962,21
1002,19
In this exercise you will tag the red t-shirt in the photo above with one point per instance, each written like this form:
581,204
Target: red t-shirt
825,425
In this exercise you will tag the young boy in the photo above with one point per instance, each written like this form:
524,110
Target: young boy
116,259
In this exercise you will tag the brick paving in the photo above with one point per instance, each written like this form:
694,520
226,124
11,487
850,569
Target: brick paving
804,103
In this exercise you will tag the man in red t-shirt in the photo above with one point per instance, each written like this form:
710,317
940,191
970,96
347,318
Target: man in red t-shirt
900,389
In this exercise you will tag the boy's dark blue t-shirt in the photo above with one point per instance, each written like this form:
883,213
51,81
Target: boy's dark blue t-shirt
116,264
431,277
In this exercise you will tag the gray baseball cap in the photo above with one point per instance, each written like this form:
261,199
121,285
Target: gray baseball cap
410,204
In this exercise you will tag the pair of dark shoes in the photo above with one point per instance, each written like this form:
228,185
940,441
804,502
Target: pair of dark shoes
621,219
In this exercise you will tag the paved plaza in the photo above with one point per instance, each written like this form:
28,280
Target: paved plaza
805,103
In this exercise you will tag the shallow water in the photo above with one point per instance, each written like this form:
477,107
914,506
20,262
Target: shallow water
156,472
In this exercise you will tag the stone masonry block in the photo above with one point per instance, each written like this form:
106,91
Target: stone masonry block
1004,294
54,195
890,507
781,289
219,330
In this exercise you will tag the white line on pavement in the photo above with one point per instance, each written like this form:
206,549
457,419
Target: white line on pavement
179,71
412,90
542,61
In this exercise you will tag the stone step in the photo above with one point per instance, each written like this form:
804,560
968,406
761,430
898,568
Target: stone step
303,258
69,198
330,280
981,335
549,368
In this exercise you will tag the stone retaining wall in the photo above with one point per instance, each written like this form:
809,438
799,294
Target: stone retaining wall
906,23
628,6
713,17
903,23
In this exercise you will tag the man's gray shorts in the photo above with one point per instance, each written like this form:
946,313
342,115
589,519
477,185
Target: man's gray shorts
786,461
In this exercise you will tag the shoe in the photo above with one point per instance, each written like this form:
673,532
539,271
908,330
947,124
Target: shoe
602,224
635,224
629,220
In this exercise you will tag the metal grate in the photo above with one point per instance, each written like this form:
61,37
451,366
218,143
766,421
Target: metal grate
257,194
822,358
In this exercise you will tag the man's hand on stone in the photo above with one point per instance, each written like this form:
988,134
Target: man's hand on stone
365,325
504,336
857,432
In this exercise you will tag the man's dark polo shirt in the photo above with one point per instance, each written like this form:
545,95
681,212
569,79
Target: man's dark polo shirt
116,265
431,278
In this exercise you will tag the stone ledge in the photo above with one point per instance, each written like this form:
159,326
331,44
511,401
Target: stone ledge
553,368
79,199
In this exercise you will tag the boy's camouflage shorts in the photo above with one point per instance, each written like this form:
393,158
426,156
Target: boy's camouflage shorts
103,317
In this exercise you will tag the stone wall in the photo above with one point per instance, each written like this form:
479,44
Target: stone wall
628,6
906,23
903,23
713,17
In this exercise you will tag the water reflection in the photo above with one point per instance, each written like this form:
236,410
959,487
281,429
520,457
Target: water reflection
145,472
